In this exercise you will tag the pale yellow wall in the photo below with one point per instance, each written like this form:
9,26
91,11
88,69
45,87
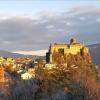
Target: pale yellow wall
51,58
85,50
73,49
56,47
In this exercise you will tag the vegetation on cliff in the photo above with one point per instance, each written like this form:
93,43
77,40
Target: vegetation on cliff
73,78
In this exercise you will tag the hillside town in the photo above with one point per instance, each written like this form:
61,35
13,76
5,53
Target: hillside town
24,68
64,64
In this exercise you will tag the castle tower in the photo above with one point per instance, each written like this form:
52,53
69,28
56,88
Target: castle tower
73,41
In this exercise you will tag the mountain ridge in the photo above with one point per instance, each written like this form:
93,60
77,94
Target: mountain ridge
95,53
5,53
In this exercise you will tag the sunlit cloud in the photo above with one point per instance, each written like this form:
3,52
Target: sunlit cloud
38,52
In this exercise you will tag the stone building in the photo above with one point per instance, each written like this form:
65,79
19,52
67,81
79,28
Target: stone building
73,47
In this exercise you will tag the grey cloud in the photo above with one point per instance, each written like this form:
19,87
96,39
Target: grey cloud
32,34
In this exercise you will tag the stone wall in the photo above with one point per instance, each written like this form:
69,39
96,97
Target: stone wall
65,49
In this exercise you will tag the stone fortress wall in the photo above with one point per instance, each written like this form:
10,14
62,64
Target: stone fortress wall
73,47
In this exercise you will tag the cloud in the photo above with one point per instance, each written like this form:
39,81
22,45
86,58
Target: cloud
98,20
50,26
83,10
38,52
34,33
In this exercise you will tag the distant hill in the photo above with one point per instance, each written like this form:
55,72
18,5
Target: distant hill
95,53
16,55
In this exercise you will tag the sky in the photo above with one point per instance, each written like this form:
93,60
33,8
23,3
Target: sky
32,7
28,25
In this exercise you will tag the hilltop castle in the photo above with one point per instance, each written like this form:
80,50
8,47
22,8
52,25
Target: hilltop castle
73,48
